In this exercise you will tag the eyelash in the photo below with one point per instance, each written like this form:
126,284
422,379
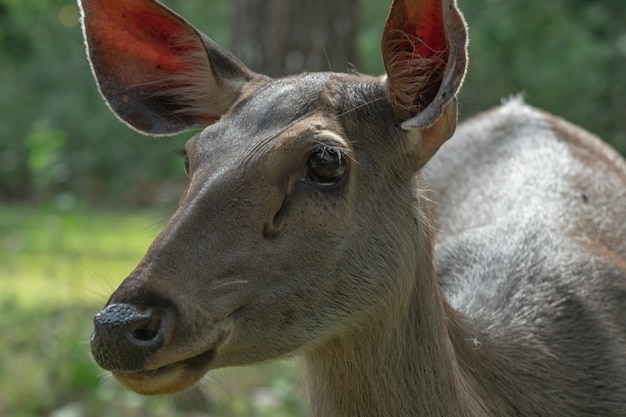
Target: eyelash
182,152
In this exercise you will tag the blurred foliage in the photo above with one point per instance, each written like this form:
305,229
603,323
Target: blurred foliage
57,138
566,56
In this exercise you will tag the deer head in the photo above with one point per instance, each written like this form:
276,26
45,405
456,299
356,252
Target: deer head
294,226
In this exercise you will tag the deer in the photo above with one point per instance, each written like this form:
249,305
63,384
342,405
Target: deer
328,217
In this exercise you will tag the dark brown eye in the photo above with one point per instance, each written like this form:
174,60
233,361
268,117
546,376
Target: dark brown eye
326,166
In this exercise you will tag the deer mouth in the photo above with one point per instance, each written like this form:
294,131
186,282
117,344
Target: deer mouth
168,379
169,371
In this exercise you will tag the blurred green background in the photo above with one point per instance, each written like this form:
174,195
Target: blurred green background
82,196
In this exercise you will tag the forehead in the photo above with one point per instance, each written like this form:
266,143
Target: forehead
272,108
281,102
265,112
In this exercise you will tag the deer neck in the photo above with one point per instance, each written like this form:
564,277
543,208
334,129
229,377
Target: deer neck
404,364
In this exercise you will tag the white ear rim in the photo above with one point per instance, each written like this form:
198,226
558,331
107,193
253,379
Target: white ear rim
454,73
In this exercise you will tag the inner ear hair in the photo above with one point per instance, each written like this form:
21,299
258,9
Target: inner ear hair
409,73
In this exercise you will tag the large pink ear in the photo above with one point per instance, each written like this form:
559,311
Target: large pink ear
156,71
425,55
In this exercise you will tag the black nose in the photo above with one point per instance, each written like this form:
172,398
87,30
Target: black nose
124,336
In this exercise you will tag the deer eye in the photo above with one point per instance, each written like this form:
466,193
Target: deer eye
326,166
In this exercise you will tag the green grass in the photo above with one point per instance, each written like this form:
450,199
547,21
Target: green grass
56,271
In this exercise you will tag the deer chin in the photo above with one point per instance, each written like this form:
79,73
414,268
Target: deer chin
168,379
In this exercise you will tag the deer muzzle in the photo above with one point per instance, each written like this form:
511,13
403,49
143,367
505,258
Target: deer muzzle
125,336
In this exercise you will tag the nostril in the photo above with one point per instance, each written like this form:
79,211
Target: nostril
146,330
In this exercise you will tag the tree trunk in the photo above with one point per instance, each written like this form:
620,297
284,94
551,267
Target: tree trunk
280,37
